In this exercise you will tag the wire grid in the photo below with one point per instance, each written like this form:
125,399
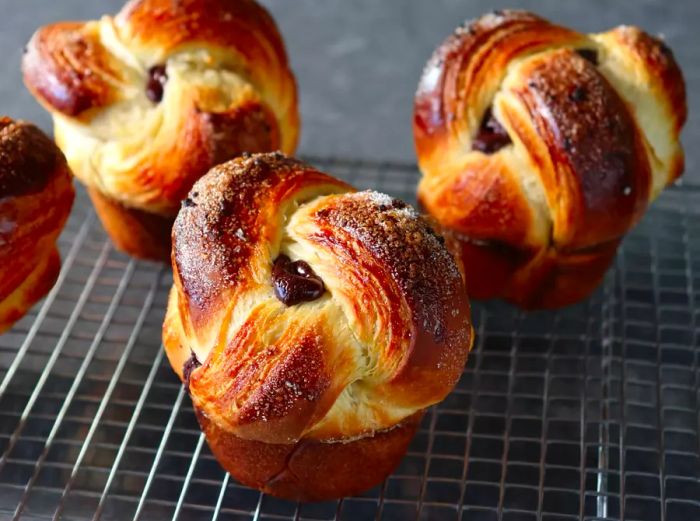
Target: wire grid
591,412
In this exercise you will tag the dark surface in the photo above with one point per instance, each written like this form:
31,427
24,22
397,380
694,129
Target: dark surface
358,62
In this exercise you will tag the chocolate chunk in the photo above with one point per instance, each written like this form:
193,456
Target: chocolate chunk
491,136
439,332
588,55
396,204
295,282
578,94
190,365
665,49
157,77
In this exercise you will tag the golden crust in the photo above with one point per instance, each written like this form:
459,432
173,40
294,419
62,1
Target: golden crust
68,69
464,73
581,133
660,66
167,25
224,87
244,194
36,195
388,338
592,167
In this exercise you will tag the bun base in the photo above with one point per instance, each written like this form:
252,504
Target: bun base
136,232
548,280
311,470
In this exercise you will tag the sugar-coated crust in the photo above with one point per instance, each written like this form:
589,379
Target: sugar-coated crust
29,160
475,56
227,89
409,252
244,194
592,125
593,166
36,195
311,470
660,66
388,338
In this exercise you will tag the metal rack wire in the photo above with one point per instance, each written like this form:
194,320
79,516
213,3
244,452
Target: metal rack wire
591,412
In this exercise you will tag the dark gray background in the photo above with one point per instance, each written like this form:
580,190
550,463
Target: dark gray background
358,61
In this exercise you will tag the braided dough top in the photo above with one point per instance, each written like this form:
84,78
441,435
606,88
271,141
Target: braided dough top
535,136
145,102
388,337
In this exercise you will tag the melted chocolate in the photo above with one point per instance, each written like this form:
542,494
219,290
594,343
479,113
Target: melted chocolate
588,55
190,365
157,77
665,49
396,204
578,94
295,282
491,136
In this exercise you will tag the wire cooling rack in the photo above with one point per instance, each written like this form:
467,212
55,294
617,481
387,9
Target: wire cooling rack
591,412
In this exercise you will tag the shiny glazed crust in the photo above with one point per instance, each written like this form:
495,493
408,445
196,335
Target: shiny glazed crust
592,125
388,338
228,89
36,195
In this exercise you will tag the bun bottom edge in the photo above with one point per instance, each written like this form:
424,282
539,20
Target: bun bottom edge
311,470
